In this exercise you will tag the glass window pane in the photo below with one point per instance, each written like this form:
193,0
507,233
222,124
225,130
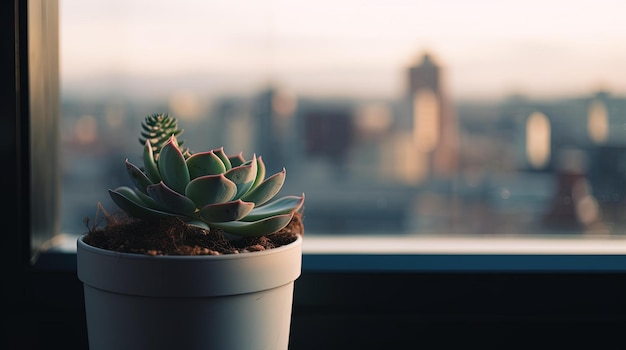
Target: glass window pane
396,117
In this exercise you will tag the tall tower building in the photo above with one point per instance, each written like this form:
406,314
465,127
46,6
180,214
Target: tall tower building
434,124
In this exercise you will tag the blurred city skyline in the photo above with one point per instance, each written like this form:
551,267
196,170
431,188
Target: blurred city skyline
489,49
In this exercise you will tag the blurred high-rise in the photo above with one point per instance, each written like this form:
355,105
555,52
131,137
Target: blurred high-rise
434,125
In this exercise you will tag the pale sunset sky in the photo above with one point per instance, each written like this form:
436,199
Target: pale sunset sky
488,48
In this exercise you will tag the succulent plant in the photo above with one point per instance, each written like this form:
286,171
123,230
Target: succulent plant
157,129
208,189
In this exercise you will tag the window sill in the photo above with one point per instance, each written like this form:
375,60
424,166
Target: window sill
401,253
464,254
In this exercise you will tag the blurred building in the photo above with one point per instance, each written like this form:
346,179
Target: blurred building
328,133
409,164
274,126
432,119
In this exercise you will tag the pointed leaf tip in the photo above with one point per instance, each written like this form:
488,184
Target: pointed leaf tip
255,228
173,167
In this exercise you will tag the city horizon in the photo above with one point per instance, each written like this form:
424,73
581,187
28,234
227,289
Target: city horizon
203,84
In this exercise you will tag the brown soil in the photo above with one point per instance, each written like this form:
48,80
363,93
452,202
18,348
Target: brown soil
174,237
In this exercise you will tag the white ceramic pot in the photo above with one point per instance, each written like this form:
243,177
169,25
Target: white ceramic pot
238,301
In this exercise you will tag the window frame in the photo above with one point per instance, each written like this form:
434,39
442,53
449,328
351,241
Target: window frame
16,99
339,295
18,81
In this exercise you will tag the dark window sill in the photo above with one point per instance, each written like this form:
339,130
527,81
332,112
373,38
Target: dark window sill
428,254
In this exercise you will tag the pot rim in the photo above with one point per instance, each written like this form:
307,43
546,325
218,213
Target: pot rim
82,245
188,276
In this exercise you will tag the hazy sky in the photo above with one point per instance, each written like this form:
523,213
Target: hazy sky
488,48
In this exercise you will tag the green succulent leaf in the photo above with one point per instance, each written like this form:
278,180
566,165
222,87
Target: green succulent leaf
255,228
149,164
134,207
199,223
139,197
173,167
237,159
284,205
204,163
136,196
267,189
171,200
137,176
220,153
147,201
260,173
229,211
210,189
243,176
